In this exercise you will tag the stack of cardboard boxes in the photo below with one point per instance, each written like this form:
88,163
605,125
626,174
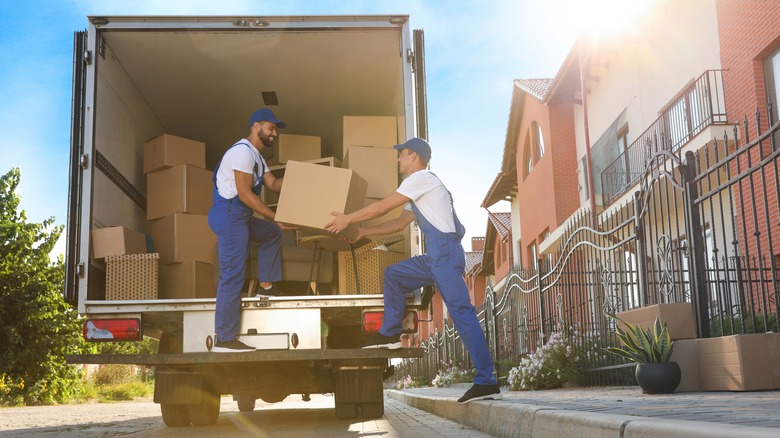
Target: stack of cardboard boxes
179,196
131,273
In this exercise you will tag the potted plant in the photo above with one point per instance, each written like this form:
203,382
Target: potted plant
651,349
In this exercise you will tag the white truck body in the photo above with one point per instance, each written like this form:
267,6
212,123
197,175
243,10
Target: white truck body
200,77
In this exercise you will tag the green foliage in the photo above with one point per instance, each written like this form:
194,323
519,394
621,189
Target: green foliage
37,328
451,375
725,324
124,391
643,346
411,382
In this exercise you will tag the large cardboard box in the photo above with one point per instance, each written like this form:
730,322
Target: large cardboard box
294,147
677,316
686,354
178,189
181,238
747,362
378,166
311,192
117,241
376,131
131,277
370,262
169,150
187,280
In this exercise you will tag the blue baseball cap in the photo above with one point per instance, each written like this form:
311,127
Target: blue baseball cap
265,115
419,146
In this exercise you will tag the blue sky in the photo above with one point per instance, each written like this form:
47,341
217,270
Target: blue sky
474,50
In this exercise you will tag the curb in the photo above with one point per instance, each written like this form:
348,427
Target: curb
502,419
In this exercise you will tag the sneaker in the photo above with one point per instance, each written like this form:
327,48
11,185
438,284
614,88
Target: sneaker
481,392
379,340
272,291
234,346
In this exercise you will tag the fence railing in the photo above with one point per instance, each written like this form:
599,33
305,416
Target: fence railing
702,230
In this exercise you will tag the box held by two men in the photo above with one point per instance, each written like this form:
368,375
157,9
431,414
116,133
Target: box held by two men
169,150
178,189
311,192
119,240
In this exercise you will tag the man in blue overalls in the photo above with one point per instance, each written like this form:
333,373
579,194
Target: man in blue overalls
430,204
238,180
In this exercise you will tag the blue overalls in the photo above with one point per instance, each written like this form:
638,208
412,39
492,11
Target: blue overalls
235,226
443,264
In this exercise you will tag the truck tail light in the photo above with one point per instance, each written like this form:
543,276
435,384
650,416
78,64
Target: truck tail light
106,330
372,321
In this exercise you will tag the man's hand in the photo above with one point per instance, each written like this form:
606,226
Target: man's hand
338,224
286,227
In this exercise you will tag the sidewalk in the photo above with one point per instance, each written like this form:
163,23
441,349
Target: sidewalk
614,412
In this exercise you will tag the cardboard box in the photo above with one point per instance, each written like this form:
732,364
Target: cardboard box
370,265
686,354
181,238
378,166
293,147
178,189
748,362
376,131
272,198
117,241
131,277
678,317
169,150
311,192
187,280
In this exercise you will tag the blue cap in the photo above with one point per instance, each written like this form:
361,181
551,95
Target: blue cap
265,115
419,146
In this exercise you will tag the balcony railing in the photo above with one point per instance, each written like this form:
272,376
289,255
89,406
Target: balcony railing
699,106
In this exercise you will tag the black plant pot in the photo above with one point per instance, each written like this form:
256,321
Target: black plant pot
658,378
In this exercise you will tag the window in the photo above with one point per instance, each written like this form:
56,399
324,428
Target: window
533,147
622,140
538,140
527,155
532,255
772,79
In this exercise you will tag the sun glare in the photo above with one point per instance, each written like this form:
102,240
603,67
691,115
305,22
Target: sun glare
608,18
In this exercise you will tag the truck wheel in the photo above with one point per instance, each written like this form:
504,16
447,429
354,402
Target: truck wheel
372,410
346,411
207,412
246,403
175,415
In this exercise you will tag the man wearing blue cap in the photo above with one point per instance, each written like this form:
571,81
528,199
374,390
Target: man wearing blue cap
238,180
430,204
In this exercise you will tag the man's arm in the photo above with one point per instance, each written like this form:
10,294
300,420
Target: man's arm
388,227
272,183
245,194
342,221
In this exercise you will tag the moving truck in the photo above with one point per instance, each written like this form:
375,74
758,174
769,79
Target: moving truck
156,102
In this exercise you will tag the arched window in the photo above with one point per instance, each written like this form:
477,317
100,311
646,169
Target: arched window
528,156
539,140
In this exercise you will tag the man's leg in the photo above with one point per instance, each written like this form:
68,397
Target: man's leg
233,246
400,279
269,259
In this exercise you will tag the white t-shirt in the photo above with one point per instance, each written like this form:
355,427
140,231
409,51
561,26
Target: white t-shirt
242,156
431,198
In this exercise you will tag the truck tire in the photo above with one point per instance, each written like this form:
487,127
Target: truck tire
207,412
372,410
246,403
175,415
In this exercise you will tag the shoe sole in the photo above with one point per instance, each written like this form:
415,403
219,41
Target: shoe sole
230,350
483,397
392,346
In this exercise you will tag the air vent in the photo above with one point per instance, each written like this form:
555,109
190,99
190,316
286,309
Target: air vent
269,98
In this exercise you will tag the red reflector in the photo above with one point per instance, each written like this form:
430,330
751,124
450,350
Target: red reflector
372,321
101,330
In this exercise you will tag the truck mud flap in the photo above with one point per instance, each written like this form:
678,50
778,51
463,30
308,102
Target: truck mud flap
174,388
360,384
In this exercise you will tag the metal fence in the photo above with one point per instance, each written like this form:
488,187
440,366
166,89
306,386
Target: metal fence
725,196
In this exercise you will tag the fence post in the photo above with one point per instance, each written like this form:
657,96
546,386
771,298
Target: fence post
696,249
641,250
542,321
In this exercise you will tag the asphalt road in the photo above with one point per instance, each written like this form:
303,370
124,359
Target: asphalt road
288,419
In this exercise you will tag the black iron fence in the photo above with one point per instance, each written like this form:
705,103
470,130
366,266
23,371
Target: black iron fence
724,195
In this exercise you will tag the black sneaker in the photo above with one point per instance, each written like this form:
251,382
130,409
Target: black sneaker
272,291
234,346
481,392
378,340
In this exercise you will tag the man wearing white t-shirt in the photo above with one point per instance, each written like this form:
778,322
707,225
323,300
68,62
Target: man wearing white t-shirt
238,180
430,204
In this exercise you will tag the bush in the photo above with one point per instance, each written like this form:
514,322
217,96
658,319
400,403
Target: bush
452,375
549,367
124,391
114,374
411,382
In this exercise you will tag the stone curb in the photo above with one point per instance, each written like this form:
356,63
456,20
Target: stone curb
508,419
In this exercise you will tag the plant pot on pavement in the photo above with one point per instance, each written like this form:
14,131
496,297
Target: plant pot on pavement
658,378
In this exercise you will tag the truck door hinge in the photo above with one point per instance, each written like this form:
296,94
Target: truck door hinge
80,270
410,56
84,161
88,57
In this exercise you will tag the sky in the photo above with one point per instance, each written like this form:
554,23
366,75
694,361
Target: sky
474,51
